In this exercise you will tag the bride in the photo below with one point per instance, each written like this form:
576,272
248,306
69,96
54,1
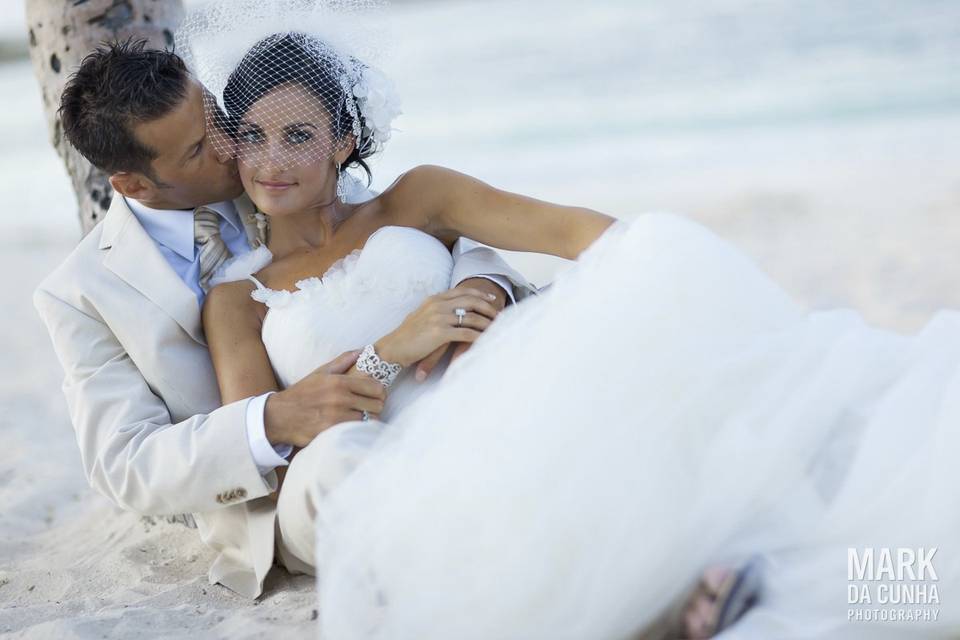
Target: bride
663,407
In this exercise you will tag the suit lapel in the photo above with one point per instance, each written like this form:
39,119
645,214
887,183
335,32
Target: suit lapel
134,257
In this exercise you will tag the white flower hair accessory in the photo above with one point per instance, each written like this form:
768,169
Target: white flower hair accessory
379,105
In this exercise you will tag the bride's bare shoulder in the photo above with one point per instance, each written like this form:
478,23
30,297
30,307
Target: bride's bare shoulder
428,176
416,193
230,302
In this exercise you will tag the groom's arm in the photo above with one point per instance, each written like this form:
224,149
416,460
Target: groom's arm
473,261
132,451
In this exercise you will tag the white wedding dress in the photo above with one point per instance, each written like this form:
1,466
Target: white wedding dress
662,407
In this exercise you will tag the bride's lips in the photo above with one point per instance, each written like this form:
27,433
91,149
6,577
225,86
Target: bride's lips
275,185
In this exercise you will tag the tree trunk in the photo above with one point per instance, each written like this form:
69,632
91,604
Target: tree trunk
61,33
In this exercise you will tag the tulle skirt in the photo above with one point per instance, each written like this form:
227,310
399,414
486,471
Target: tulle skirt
664,406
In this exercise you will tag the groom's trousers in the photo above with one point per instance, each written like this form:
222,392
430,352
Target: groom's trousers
315,471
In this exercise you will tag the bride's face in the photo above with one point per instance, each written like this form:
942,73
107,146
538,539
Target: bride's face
286,152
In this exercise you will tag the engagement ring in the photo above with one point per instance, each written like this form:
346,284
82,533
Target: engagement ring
460,312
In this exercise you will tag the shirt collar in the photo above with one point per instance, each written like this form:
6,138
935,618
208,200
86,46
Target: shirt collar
173,228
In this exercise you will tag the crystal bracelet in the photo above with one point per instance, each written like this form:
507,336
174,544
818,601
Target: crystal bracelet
371,364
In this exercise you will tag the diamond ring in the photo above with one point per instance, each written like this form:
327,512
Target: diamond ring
366,416
460,312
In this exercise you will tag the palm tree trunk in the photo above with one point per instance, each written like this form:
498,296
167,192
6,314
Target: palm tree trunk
61,33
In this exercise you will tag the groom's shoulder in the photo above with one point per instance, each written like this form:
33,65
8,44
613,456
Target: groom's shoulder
79,270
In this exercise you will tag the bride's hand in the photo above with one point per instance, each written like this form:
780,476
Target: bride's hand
499,301
435,324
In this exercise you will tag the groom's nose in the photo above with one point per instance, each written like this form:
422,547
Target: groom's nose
223,148
218,128
223,152
224,156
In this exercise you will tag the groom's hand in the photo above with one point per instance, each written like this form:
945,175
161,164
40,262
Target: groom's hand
324,398
459,348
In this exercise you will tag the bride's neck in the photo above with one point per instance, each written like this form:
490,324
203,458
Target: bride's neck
308,229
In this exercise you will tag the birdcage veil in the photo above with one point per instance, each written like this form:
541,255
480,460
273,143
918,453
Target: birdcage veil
291,81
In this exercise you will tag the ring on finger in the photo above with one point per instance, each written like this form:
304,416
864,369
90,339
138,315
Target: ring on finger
460,312
365,416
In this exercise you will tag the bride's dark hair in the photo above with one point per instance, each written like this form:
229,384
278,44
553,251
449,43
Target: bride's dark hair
298,58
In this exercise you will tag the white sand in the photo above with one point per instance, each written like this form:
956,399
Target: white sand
844,211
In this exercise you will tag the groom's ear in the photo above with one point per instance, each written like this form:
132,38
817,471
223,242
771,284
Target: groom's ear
132,185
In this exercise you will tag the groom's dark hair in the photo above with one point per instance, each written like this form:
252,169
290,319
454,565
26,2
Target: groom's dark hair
118,86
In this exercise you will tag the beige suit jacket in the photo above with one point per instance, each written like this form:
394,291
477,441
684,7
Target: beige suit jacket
143,397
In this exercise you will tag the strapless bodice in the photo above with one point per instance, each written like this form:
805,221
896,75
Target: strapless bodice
359,299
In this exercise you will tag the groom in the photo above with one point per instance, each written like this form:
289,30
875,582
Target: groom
123,311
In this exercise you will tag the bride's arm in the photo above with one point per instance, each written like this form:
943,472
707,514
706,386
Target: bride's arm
232,323
452,204
295,415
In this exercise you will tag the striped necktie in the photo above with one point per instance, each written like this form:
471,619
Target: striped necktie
213,250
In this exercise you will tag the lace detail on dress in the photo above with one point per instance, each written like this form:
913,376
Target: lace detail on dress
273,298
353,275
337,271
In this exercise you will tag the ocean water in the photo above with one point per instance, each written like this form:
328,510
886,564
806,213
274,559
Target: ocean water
630,104
563,73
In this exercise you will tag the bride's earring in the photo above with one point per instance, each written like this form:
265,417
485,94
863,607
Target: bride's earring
341,186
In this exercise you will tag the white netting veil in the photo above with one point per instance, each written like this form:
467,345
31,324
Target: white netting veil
290,82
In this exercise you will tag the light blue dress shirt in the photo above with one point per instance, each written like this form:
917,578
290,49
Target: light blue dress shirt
172,230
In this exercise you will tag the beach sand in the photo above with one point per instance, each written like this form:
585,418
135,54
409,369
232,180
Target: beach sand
850,199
